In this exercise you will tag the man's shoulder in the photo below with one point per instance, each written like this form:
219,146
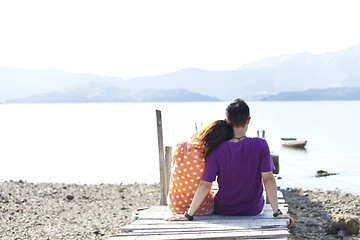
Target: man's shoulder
252,140
223,147
257,140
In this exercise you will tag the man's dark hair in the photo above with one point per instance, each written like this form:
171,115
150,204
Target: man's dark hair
237,113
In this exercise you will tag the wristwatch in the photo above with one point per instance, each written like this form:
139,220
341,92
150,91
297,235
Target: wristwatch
277,213
190,218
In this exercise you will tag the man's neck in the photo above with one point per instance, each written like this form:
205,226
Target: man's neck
239,131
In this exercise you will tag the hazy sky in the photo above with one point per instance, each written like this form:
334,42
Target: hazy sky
149,37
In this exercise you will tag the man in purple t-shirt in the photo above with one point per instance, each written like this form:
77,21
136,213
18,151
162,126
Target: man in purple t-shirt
243,165
238,165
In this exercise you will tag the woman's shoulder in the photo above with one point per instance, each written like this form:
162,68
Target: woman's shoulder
189,148
181,144
189,145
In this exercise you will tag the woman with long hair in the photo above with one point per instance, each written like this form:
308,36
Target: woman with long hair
188,167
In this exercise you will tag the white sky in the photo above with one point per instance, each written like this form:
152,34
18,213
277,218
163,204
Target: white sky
149,37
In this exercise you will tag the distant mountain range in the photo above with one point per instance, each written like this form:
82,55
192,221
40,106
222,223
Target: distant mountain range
105,92
266,77
255,81
327,94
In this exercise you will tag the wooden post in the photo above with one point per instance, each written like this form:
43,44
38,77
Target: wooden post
161,158
168,160
275,159
261,133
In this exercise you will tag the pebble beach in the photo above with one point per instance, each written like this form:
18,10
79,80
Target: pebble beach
70,211
82,211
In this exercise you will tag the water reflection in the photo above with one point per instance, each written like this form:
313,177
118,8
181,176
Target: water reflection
300,149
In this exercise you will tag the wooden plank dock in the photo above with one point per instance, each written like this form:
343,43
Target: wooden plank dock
150,224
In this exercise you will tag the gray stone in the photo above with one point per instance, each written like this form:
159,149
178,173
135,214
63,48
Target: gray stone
335,226
322,173
352,226
70,197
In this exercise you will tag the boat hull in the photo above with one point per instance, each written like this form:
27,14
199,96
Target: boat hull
293,142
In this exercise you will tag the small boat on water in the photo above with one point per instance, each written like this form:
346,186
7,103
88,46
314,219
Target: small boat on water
293,142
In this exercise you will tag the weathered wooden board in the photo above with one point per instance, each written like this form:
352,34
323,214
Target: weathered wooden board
161,212
205,226
248,234
239,221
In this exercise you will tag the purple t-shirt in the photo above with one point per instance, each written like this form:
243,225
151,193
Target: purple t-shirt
238,166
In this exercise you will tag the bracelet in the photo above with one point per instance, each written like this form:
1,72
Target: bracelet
277,213
190,218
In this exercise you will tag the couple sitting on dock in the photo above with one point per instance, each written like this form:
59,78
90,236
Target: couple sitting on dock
241,164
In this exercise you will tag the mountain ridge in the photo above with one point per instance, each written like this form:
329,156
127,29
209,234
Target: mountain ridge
105,92
285,73
252,81
328,94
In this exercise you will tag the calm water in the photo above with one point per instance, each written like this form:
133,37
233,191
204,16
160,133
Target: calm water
113,143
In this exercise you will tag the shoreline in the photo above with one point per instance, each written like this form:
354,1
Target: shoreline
315,212
98,211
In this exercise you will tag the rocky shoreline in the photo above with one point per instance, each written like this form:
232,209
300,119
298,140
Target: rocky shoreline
83,211
323,214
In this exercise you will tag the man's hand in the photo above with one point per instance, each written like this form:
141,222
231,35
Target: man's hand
177,218
288,217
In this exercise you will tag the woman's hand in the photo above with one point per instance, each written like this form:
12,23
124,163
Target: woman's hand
288,217
177,218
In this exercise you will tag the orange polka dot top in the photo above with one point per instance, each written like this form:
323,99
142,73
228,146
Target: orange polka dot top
188,168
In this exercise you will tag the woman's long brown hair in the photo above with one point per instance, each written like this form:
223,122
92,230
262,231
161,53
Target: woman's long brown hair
213,135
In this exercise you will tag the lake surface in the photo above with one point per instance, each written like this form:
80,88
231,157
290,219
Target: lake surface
117,142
